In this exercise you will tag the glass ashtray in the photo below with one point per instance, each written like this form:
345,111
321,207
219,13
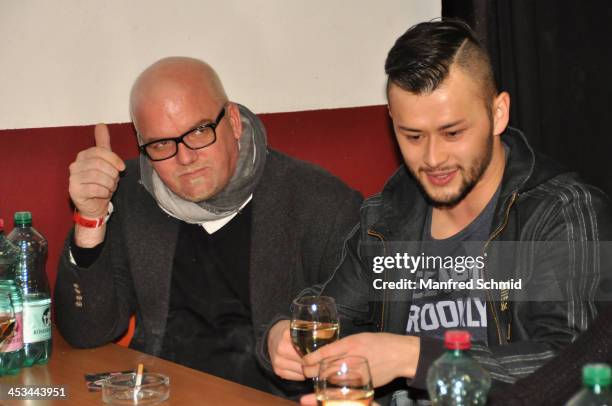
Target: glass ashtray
122,389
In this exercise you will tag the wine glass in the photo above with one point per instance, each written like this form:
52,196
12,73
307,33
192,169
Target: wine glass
344,381
314,323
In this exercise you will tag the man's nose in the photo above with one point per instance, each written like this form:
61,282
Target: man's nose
185,155
435,153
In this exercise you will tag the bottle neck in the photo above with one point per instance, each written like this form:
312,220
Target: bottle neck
456,353
598,389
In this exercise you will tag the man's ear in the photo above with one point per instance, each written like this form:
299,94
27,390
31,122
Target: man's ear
501,112
233,114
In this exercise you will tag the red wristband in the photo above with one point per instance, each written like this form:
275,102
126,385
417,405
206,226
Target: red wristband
92,223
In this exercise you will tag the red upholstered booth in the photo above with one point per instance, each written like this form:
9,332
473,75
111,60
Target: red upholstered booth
355,144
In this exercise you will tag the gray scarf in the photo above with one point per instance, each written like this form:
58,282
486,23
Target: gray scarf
249,168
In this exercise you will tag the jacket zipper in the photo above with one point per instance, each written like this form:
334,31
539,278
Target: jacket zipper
384,301
489,299
493,236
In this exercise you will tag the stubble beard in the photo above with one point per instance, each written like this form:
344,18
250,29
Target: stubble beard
470,179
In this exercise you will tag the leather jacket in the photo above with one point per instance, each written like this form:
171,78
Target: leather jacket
538,202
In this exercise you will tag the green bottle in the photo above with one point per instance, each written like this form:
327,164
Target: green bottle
11,309
595,390
32,279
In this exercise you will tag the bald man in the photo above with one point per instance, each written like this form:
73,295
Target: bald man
204,239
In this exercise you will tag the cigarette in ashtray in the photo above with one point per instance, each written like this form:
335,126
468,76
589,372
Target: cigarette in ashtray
138,382
139,375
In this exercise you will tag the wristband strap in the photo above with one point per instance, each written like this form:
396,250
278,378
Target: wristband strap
92,223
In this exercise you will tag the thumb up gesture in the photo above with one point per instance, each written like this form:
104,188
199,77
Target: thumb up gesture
94,176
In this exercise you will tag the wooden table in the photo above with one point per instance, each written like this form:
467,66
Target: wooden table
187,386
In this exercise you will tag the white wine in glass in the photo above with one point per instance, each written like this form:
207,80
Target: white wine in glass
314,323
344,381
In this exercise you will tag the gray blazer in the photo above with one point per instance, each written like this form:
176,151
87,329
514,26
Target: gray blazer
301,215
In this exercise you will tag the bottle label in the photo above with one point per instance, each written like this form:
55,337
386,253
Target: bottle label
36,321
15,342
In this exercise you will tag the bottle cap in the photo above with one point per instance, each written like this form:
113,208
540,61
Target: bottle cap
23,218
457,340
596,374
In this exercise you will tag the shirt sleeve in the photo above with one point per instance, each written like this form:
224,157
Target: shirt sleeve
84,257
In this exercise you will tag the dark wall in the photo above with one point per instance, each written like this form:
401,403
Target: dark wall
554,58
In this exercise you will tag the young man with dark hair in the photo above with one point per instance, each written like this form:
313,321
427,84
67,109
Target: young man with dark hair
470,184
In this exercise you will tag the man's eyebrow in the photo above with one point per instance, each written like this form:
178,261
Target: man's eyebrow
441,128
404,128
199,123
450,125
203,121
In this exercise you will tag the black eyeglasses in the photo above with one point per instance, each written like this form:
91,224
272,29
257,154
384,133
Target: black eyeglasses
199,137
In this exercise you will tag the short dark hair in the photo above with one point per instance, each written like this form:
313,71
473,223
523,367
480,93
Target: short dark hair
421,58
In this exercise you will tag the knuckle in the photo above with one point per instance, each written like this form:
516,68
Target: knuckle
83,154
288,349
89,190
96,190
98,165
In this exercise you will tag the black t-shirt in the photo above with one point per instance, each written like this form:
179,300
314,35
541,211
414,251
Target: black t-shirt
433,311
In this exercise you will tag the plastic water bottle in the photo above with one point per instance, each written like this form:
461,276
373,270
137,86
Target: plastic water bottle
595,387
11,310
8,255
456,378
31,274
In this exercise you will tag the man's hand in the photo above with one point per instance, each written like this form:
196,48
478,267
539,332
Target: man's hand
94,176
390,355
286,361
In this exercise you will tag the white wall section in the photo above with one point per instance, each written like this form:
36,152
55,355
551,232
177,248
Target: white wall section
72,62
